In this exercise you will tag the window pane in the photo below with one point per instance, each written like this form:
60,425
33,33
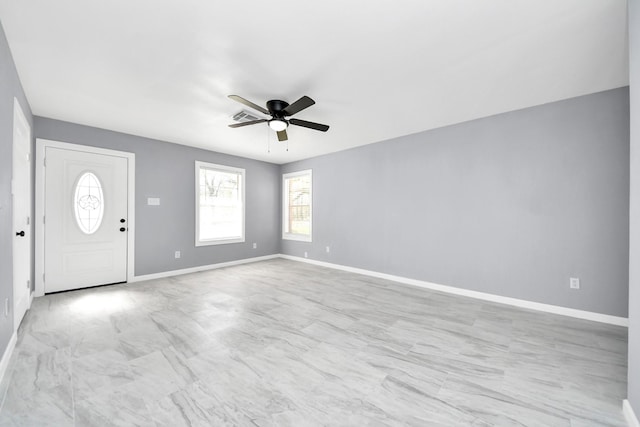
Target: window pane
221,211
298,204
88,203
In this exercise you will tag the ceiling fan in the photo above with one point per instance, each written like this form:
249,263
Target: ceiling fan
279,112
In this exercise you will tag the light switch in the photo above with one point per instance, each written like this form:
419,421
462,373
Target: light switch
153,201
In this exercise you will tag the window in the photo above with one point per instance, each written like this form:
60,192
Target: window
296,194
88,205
219,204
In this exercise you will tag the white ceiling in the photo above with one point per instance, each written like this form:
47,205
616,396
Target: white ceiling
376,69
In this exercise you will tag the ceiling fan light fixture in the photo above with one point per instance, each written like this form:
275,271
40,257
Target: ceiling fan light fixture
278,124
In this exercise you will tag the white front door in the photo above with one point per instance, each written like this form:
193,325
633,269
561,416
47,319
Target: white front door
85,219
21,190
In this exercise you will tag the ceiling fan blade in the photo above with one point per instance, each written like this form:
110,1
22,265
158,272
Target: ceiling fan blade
282,135
252,122
299,105
241,100
310,125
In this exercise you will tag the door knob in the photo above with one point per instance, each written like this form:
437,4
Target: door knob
122,219
122,229
21,233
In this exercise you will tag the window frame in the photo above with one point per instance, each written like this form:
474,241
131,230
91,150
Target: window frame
285,207
243,185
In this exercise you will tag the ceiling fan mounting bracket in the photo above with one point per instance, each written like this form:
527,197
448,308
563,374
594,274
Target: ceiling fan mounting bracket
276,107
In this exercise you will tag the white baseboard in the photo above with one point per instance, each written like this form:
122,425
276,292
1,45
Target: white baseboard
564,311
547,308
629,415
4,363
172,273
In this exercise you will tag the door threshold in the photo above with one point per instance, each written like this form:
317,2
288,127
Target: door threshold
86,287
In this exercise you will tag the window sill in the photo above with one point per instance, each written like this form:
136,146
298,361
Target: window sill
218,242
297,237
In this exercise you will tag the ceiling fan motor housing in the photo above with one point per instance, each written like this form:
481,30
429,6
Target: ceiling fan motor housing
276,108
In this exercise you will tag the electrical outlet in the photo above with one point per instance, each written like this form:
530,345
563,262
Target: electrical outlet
177,254
574,283
328,249
255,246
306,255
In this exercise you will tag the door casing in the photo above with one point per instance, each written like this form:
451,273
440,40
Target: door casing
41,145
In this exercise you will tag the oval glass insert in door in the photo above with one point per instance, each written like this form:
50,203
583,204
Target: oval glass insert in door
88,203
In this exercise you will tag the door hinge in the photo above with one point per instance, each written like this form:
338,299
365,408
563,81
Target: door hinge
44,162
28,220
43,219
28,284
42,277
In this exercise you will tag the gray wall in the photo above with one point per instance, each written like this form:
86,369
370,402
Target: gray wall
166,171
634,234
10,87
512,205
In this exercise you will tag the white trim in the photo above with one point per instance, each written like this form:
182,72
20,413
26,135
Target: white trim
285,210
564,311
38,219
4,363
243,186
172,273
296,237
41,145
629,415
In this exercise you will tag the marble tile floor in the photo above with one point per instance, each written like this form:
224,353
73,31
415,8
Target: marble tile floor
282,343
